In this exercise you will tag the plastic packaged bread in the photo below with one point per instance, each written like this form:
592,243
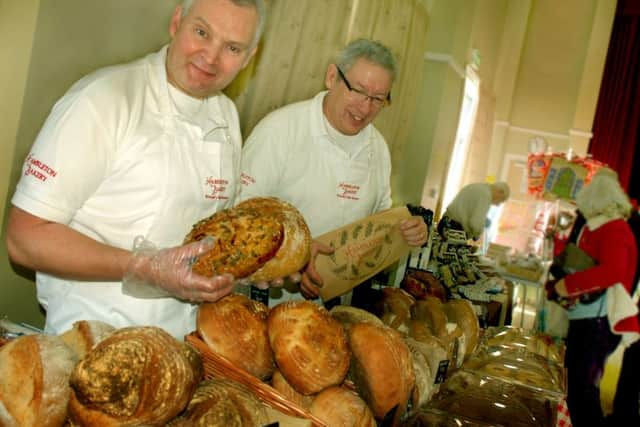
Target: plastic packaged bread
262,238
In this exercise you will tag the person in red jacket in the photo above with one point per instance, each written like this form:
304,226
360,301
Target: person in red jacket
594,331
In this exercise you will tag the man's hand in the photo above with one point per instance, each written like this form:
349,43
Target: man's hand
170,270
414,231
311,280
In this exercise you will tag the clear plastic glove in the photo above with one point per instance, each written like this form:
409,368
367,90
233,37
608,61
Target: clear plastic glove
156,273
311,281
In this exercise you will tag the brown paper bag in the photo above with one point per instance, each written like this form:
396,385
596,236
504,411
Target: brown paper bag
361,250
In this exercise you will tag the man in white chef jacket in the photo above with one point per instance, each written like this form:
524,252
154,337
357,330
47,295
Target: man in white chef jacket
142,149
325,157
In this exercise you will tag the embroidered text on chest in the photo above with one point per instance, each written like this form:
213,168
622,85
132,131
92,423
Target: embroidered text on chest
216,189
348,191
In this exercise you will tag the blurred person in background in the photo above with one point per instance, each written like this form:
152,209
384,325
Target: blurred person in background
594,330
468,210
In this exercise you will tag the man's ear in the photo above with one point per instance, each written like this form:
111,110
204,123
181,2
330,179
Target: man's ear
330,76
175,21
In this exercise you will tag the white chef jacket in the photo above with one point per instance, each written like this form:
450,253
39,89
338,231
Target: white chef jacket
114,160
470,208
290,155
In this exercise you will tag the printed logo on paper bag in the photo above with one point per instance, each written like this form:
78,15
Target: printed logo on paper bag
362,250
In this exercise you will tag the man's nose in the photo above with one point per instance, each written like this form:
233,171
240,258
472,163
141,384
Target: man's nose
212,52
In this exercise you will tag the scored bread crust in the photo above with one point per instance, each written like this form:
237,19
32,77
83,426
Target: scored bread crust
309,345
34,381
136,376
381,368
236,327
337,406
222,403
263,238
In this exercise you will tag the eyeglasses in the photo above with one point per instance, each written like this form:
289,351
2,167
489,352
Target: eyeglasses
362,96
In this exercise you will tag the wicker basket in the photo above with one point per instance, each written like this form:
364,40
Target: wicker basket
219,366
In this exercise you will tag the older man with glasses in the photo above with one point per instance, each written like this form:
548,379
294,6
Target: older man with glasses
325,157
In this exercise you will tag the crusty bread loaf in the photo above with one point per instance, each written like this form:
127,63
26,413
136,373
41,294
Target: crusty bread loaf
431,313
347,316
310,346
135,376
262,238
236,327
381,368
34,381
397,308
337,406
222,403
461,313
424,385
280,383
295,250
85,334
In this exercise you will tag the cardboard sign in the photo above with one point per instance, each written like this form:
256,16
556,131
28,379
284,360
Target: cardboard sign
361,250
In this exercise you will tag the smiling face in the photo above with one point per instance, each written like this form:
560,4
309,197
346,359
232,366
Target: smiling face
209,46
346,111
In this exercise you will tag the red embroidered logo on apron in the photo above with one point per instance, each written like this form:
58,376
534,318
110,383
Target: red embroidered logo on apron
41,171
348,191
217,188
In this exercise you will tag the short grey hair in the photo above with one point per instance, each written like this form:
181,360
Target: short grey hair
503,188
257,4
603,196
370,50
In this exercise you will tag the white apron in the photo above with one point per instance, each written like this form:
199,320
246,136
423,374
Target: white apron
195,173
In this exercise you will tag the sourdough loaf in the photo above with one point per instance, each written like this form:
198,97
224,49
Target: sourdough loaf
262,238
236,327
85,334
136,376
34,381
381,368
337,406
309,345
222,403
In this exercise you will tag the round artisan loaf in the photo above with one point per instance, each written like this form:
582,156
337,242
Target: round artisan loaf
461,312
263,238
397,308
222,403
236,327
424,385
85,334
348,315
34,381
381,368
135,376
431,313
337,406
309,345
